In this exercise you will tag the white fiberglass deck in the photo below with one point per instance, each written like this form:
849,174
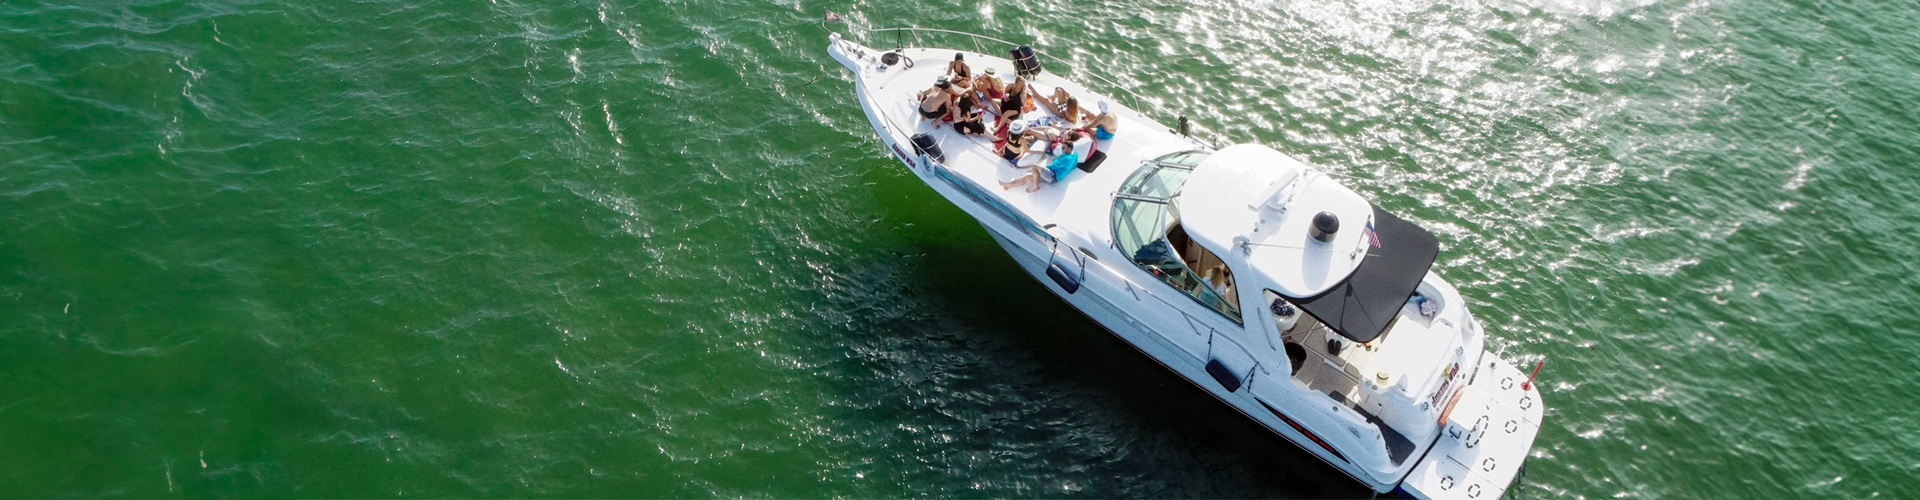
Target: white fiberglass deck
1081,199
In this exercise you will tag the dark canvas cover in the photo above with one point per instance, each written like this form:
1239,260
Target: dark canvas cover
1362,307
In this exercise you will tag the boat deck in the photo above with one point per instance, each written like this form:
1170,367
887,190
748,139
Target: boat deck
1080,199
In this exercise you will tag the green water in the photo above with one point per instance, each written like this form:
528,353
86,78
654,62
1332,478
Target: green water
617,249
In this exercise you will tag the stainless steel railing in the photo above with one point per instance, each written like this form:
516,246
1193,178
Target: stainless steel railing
1132,99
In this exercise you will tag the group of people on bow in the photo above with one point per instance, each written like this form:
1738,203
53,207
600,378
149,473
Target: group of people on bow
1065,136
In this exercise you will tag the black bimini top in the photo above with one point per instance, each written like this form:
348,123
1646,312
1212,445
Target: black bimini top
1362,307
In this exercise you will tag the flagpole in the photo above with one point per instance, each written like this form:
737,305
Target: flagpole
828,15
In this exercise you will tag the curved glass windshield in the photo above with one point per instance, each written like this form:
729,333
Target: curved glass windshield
1146,227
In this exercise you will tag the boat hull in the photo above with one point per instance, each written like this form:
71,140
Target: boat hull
1106,295
1111,317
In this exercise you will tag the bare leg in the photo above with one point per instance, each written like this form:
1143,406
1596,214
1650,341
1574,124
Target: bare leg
1005,185
991,105
1032,176
1051,107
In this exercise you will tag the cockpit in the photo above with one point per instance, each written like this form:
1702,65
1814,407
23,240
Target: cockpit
1354,316
1147,229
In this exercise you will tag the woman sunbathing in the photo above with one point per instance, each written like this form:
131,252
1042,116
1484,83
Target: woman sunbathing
1066,107
990,90
1015,141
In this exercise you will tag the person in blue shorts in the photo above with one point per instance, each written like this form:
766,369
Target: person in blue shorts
1103,125
1058,168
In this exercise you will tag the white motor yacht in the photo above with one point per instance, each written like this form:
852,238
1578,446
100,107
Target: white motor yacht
1257,277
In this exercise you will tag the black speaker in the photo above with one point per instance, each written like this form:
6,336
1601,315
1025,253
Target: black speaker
1025,62
924,144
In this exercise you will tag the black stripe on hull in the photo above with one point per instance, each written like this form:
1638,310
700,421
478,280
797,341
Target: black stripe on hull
1303,430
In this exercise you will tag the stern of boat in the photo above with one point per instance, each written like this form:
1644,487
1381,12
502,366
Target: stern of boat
1489,431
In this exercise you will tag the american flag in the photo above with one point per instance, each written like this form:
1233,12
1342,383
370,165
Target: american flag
833,17
1372,238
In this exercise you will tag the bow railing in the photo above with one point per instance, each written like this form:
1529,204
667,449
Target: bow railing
917,36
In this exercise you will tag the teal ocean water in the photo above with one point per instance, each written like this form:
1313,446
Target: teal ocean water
598,249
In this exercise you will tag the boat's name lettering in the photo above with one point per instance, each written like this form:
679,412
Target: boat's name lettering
903,156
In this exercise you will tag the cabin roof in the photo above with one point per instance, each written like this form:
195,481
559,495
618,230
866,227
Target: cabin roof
1255,205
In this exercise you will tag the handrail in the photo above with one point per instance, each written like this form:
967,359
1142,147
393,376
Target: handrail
1063,62
938,30
939,169
1134,98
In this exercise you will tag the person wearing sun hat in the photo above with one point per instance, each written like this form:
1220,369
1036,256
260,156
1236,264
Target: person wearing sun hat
991,91
937,103
1105,124
1015,142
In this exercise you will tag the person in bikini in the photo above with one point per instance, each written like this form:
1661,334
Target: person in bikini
1066,107
989,90
1014,141
1009,125
1016,100
937,103
962,75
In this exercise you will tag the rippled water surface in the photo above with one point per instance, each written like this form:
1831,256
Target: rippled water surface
650,249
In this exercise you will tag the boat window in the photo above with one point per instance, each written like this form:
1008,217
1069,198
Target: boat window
1146,228
1207,278
1162,177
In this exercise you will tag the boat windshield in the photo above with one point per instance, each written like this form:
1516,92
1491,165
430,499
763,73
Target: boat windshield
1146,227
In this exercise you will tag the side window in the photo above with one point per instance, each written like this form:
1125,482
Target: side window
1146,228
1206,278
